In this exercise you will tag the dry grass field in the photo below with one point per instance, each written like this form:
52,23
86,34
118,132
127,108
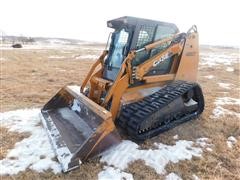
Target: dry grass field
30,77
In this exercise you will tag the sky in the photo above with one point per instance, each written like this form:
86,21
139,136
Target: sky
217,20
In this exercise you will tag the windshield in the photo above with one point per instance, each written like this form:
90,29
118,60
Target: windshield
120,39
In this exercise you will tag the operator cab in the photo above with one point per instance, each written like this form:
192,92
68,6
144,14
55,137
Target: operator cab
132,33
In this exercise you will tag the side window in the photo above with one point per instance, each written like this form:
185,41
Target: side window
161,33
165,66
120,39
145,37
164,32
119,45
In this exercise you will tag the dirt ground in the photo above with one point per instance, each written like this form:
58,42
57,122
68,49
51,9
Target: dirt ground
30,77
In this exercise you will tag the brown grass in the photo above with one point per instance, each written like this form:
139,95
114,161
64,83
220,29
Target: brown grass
88,171
8,140
141,171
29,79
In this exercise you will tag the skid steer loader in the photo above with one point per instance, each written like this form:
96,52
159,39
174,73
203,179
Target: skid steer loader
144,83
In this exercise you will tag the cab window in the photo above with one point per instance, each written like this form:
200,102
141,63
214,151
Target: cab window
145,37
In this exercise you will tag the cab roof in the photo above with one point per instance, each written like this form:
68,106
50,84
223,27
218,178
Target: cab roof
134,21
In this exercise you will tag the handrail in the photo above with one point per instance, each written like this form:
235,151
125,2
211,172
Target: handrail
157,43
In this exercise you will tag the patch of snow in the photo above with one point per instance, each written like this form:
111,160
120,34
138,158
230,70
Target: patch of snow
40,46
5,46
66,52
110,173
227,100
34,152
89,56
209,149
195,177
173,176
209,77
86,43
212,59
225,85
56,57
128,151
230,69
220,111
175,137
76,106
64,155
57,41
93,48
229,144
76,89
231,141
203,142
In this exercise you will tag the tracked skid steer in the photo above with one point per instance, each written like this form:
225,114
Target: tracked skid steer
144,83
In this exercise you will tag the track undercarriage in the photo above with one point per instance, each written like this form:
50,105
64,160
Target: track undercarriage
174,104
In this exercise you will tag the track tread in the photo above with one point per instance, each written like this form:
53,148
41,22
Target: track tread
132,115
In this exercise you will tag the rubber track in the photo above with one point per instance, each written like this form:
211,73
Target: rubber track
132,115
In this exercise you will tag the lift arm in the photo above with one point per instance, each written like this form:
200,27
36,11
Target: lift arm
176,47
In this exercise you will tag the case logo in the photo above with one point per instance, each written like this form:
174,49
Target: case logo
163,58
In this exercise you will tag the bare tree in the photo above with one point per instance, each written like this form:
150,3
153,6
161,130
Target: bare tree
22,39
2,36
30,40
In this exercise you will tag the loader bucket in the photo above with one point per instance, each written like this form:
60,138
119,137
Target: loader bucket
78,128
